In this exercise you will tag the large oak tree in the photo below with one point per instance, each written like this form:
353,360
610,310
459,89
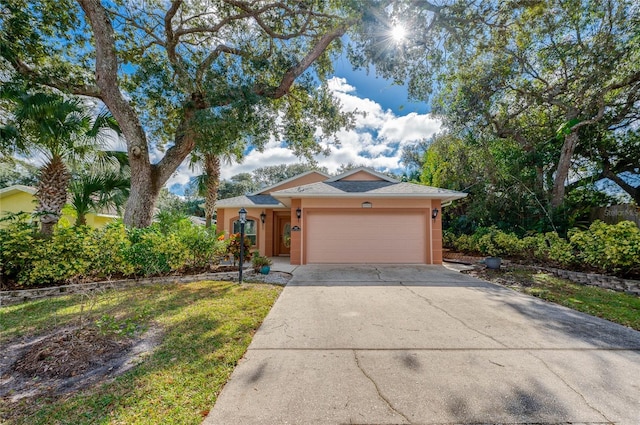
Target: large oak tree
166,70
528,71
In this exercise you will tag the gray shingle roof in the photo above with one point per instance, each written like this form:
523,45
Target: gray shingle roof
250,201
369,188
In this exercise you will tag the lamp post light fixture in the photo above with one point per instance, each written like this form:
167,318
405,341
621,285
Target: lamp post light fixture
243,219
263,216
434,213
298,213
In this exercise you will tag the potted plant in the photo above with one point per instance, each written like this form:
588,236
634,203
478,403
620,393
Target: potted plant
488,246
261,264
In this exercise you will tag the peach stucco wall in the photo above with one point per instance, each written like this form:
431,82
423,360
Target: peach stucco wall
433,233
361,176
296,235
229,215
265,232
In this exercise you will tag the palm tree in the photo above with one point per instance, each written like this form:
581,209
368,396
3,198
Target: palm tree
209,182
59,129
103,184
97,191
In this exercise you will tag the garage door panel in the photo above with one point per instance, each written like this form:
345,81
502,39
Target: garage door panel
366,237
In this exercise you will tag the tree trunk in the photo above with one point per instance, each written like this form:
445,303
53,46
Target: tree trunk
140,205
51,193
146,179
562,172
212,170
81,220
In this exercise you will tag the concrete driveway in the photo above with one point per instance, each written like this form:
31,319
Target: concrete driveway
426,345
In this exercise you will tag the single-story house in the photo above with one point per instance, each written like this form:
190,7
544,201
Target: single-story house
19,198
360,216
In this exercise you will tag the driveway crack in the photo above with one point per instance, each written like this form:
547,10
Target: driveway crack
595,409
462,322
382,397
378,272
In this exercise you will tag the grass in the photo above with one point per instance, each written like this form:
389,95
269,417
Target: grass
207,328
614,306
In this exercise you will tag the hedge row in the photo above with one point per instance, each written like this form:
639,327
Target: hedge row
74,253
606,248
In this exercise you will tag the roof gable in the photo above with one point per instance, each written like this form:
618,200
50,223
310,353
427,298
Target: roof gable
381,189
362,174
10,190
308,177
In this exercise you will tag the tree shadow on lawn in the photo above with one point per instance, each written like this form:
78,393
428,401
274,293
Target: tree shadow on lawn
191,335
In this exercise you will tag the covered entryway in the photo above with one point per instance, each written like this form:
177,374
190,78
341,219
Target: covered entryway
367,236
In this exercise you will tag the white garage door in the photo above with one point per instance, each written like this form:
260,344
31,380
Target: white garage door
366,236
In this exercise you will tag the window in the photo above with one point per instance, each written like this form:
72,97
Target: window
250,230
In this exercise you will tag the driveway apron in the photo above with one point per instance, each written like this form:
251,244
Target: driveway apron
368,344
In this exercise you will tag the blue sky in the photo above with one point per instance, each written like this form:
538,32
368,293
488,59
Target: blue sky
390,122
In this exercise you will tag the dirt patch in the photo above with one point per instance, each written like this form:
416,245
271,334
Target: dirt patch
69,359
506,276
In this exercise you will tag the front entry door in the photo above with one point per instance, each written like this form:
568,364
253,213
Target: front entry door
284,235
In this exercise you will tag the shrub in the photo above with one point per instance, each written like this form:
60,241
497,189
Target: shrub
151,252
234,247
203,246
465,243
111,257
67,255
610,248
259,261
494,242
16,248
557,249
448,239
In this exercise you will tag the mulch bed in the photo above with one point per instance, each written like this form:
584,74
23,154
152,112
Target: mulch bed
69,353
69,359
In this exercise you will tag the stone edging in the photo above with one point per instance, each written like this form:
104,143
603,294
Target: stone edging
628,286
22,295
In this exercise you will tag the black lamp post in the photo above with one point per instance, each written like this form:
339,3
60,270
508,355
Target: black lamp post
243,219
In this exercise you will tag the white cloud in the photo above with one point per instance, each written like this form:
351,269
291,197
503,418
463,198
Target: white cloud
376,141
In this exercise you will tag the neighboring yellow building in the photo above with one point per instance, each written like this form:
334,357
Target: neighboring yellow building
19,198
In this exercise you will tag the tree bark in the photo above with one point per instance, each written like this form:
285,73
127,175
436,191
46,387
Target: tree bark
51,198
562,172
147,179
212,170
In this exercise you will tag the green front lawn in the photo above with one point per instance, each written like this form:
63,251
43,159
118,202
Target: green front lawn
615,306
206,327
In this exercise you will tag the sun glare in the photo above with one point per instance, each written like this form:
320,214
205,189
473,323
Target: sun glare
398,33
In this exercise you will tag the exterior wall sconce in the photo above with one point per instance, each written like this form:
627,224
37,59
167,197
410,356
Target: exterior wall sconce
263,217
298,213
367,204
434,213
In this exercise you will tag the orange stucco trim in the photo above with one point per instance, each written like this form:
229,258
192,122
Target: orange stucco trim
361,176
296,235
